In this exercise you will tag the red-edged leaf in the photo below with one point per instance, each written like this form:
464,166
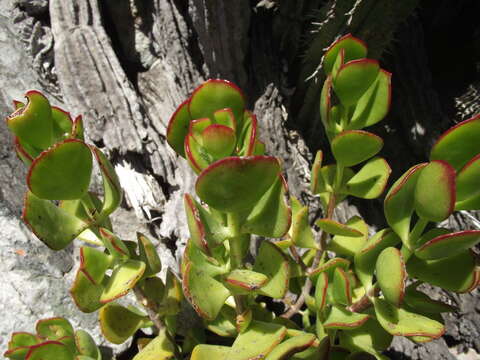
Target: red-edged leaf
353,47
178,128
447,245
365,144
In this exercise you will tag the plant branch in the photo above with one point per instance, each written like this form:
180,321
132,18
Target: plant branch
365,301
295,308
153,313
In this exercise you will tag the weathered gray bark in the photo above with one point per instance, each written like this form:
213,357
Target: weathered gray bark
126,65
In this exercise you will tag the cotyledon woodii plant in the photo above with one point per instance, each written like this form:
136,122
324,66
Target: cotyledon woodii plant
354,288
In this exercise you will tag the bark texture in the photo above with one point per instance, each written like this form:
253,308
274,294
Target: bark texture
126,65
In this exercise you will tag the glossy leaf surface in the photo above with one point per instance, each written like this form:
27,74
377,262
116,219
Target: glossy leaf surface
365,144
245,280
468,192
265,336
391,275
399,202
459,144
43,219
178,128
118,323
271,262
354,78
435,191
353,47
205,294
349,245
374,104
439,272
447,245
400,322
123,279
291,346
62,172
340,318
335,228
371,180
148,255
234,184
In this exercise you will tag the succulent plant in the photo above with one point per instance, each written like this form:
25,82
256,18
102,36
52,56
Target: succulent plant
353,290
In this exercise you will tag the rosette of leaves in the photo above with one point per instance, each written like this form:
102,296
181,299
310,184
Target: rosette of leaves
55,338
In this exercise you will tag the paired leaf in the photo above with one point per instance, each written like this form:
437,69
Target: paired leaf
353,48
205,294
391,275
458,144
399,203
123,279
49,350
43,218
447,245
439,271
86,345
354,78
234,184
400,322
245,281
366,258
118,323
300,232
335,228
62,172
365,144
435,191
348,245
371,180
273,263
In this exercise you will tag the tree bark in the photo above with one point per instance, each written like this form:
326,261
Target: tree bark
126,65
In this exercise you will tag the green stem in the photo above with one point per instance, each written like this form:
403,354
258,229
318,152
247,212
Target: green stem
338,178
417,232
236,257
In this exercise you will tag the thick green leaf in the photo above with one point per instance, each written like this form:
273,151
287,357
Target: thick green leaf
225,117
301,233
273,263
374,104
178,128
54,328
209,352
354,78
291,346
225,323
335,228
49,350
468,191
330,266
78,129
447,245
365,144
371,180
219,140
423,303
458,144
271,216
22,339
315,353
247,137
115,246
341,288
353,47
173,296
439,272
197,157
24,152
205,294
62,123
340,318
257,341
85,293
349,245
366,258
33,123
212,265
160,348
245,281
55,227
206,230
118,323
400,322
234,184
112,192
62,172
149,255
321,291
399,203
123,279
94,263
370,337
391,275
435,191
326,103
315,175
86,345
216,94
